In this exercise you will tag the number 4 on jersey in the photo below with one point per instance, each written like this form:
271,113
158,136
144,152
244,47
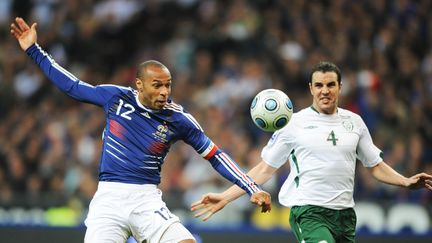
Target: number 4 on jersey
332,137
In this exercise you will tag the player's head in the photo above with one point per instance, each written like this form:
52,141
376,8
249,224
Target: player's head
325,86
153,81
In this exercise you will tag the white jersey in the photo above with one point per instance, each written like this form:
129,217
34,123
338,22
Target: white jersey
322,150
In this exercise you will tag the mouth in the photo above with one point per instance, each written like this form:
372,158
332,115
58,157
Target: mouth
161,102
325,99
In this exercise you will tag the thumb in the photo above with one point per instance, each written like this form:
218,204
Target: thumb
33,27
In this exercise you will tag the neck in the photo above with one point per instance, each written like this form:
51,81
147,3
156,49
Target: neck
327,112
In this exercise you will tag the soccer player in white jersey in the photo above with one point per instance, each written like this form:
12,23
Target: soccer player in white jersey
141,125
321,143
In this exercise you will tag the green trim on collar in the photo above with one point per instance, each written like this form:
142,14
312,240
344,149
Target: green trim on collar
313,108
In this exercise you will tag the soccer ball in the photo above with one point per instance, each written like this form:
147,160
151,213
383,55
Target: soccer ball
271,110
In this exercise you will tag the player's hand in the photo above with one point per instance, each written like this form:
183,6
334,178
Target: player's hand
25,35
209,204
421,180
262,199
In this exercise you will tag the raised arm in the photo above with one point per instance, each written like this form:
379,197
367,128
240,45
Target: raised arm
211,203
65,81
384,173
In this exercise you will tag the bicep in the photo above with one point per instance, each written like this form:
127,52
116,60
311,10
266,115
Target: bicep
97,95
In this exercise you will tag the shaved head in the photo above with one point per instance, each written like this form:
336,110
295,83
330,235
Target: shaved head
143,67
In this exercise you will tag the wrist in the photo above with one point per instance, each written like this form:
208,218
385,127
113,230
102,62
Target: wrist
405,182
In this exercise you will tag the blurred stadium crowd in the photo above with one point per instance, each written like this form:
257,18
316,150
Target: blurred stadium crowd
220,53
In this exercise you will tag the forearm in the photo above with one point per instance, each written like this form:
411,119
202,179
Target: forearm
226,167
261,173
60,77
386,174
63,79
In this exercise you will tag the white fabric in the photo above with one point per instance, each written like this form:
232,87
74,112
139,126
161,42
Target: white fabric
324,170
176,233
119,210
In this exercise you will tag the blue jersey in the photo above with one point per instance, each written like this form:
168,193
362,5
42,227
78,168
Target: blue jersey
137,139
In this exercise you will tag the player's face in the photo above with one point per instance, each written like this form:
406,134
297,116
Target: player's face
155,88
325,90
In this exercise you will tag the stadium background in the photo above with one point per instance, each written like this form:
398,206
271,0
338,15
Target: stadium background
220,54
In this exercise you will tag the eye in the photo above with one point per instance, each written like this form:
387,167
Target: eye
332,84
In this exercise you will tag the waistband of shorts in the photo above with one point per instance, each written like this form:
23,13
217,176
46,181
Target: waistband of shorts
109,185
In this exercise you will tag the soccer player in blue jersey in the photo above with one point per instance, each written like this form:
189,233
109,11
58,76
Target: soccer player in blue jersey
141,125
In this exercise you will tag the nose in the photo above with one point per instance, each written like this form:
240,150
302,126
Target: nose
325,90
164,92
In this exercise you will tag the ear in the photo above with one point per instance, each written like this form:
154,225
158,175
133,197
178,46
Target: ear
310,88
139,84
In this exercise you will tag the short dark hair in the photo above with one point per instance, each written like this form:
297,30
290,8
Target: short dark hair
326,67
142,67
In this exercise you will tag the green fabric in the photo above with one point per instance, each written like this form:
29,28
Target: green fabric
313,224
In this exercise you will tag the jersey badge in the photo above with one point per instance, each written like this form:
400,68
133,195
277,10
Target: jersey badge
161,133
348,125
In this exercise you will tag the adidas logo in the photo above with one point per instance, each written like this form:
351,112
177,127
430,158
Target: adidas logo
146,114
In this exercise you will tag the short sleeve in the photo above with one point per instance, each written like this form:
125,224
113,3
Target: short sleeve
278,148
367,152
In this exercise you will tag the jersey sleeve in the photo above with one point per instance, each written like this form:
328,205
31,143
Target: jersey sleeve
66,81
278,148
219,160
367,152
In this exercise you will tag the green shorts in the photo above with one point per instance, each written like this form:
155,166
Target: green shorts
314,224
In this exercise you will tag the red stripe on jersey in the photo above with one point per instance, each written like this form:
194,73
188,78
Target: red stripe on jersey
116,129
212,152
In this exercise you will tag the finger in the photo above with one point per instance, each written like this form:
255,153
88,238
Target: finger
197,207
22,24
15,29
201,213
14,34
33,27
207,216
197,203
424,176
266,207
428,184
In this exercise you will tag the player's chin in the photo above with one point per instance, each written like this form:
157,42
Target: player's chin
159,104
327,108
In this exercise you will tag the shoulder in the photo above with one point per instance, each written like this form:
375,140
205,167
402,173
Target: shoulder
115,89
181,115
349,117
347,114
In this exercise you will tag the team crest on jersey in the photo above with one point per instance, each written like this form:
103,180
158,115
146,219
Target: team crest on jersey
348,125
161,133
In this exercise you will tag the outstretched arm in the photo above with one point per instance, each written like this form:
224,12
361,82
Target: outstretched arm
211,203
384,173
65,81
